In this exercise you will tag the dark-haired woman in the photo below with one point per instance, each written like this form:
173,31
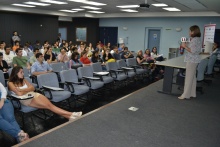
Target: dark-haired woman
49,56
192,59
8,123
20,86
74,61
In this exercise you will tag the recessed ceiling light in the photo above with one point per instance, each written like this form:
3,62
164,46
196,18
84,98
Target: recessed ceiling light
128,6
53,2
77,9
89,7
68,11
22,5
95,12
128,10
88,2
171,9
36,3
160,5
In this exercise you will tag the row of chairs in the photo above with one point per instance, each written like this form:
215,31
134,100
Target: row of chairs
77,83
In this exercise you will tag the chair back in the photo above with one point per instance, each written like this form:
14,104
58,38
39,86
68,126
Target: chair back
201,69
2,78
111,66
69,75
85,71
57,67
97,67
211,63
131,61
25,70
49,79
66,64
121,63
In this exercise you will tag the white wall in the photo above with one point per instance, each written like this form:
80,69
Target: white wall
169,36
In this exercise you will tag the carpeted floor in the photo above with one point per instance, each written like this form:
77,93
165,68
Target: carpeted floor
161,120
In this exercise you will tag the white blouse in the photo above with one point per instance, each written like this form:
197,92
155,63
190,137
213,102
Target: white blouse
195,45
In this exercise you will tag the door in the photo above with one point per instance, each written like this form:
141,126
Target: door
108,34
63,32
152,37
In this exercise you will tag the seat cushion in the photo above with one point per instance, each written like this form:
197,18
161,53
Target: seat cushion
80,89
58,96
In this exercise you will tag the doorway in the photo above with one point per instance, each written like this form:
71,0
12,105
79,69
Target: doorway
63,32
152,38
108,34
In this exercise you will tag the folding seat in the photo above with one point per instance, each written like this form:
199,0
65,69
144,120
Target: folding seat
128,70
117,74
50,85
70,79
104,76
86,74
131,62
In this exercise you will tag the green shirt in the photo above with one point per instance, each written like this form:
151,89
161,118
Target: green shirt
33,59
56,50
20,61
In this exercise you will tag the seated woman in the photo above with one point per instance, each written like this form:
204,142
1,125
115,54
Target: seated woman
107,56
74,61
20,86
147,56
8,123
84,59
155,55
140,58
96,58
3,66
49,56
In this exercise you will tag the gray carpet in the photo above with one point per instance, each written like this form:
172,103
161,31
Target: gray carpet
161,121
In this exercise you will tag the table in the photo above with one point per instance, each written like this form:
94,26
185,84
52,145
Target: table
170,65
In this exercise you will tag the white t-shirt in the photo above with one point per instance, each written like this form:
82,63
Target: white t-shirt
9,58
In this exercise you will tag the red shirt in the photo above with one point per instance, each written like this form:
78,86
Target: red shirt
85,60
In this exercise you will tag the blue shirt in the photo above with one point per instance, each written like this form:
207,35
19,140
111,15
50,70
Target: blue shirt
38,67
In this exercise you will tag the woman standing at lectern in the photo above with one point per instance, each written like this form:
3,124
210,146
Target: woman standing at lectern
192,59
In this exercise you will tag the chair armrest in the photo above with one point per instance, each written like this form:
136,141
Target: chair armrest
52,88
22,97
127,68
91,78
101,73
79,83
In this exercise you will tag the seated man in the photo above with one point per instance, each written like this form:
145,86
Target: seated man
216,51
116,54
33,58
40,66
62,57
20,60
126,54
8,56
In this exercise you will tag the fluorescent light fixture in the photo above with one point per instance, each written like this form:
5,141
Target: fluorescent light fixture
36,3
88,2
160,5
128,10
78,9
96,12
22,5
53,2
171,9
70,11
89,7
128,6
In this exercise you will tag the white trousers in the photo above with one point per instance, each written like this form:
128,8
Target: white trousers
190,80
